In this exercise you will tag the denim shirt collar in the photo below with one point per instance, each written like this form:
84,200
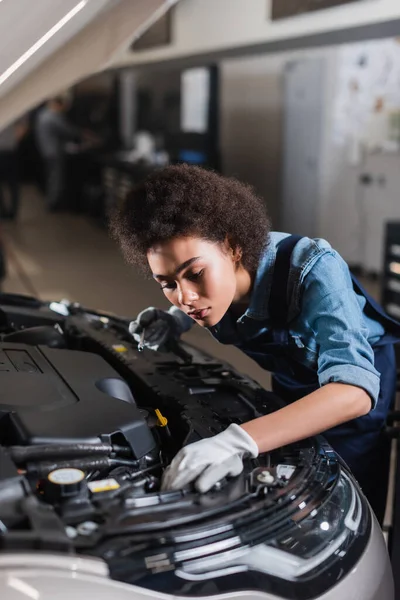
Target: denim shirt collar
259,300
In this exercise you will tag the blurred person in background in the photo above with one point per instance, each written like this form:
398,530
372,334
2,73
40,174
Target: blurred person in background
53,131
10,138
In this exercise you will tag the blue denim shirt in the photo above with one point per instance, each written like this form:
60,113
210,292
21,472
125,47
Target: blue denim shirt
328,329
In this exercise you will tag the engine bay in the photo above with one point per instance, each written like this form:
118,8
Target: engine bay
87,426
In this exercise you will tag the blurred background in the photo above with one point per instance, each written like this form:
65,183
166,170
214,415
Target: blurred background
299,98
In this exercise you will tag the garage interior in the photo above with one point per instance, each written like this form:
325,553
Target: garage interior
301,102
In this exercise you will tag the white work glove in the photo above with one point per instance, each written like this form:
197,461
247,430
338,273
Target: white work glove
210,460
161,327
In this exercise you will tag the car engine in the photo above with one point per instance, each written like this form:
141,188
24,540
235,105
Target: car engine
88,425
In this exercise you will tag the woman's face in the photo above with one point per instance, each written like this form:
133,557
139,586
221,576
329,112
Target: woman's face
201,278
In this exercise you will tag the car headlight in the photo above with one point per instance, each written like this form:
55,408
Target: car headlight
309,544
325,534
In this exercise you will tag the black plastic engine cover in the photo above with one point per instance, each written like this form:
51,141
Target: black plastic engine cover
65,396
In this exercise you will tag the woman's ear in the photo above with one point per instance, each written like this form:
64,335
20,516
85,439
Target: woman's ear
235,252
237,255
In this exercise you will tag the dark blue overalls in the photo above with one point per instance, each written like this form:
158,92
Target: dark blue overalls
360,442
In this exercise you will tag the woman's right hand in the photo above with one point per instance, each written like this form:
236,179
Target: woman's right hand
161,328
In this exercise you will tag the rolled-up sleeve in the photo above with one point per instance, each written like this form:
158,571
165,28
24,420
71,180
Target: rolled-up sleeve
335,316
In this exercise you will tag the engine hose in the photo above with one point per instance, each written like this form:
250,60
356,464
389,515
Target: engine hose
23,454
42,469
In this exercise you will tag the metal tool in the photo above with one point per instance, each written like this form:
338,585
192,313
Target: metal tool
141,341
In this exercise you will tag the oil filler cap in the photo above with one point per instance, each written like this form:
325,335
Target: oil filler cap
64,484
66,476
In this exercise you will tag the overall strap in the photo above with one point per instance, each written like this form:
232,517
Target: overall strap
278,301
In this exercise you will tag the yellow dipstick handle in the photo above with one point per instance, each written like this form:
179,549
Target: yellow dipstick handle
162,421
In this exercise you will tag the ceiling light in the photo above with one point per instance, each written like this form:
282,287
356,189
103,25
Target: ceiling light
45,38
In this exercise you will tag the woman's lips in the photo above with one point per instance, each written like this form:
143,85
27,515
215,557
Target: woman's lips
199,315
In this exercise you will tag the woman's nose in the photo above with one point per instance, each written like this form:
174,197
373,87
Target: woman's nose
187,295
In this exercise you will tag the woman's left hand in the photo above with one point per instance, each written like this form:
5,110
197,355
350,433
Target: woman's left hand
210,460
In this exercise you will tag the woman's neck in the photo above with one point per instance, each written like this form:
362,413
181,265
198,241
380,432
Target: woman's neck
244,286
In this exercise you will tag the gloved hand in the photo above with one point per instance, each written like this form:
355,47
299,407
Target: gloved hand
210,460
161,327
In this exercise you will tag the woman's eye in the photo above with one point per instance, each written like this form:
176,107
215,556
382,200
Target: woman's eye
197,275
168,286
191,276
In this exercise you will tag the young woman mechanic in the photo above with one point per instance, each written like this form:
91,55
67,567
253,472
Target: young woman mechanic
287,302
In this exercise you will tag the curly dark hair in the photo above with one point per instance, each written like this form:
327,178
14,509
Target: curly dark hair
182,201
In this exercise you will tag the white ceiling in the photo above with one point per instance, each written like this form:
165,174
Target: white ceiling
31,71
24,22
